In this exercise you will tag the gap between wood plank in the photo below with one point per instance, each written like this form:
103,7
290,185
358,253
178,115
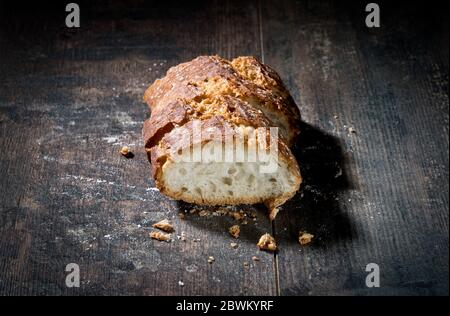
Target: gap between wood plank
275,264
275,257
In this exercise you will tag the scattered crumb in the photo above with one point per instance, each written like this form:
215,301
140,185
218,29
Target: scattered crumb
246,264
255,258
351,130
183,236
125,151
164,225
211,259
160,236
234,231
267,242
180,283
335,116
229,211
233,245
305,238
221,211
237,215
196,239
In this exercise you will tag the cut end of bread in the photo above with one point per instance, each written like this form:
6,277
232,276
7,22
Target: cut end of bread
225,183
228,183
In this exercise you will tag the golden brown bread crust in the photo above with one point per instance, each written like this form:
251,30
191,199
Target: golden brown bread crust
244,80
264,76
218,93
178,112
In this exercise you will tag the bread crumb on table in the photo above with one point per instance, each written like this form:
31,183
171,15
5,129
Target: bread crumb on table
211,259
159,236
233,245
164,225
125,151
267,242
255,258
237,215
234,231
305,238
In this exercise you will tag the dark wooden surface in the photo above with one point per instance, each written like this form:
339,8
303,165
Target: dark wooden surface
70,98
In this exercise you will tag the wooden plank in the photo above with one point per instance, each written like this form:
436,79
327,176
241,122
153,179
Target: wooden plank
69,99
381,194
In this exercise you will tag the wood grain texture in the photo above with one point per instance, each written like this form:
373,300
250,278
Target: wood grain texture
70,98
69,101
380,194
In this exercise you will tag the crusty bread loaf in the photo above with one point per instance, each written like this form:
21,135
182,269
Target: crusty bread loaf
228,113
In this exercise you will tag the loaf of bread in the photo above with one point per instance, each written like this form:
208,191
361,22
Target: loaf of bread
220,133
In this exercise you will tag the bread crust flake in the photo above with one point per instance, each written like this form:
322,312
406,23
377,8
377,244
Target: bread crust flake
164,225
267,242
